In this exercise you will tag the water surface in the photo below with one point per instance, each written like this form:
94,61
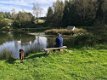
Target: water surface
13,41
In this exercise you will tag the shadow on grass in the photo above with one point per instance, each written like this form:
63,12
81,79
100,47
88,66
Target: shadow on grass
37,55
11,61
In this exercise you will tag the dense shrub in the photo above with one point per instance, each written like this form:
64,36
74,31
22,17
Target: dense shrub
23,24
3,23
81,40
5,54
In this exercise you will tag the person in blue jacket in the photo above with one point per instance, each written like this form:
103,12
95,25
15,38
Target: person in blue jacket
59,40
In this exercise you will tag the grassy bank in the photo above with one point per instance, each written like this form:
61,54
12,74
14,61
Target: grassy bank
65,31
72,64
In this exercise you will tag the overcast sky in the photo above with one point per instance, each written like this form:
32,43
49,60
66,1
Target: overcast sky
26,5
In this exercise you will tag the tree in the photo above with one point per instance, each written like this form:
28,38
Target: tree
99,13
54,14
23,20
105,11
2,15
49,16
37,11
86,10
4,21
58,8
13,14
65,18
7,15
79,12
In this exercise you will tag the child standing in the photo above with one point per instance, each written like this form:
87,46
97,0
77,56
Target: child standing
21,55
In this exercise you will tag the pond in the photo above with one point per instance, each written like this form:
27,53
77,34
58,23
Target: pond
13,41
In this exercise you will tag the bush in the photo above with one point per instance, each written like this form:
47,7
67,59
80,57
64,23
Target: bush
7,28
84,39
3,23
24,24
5,54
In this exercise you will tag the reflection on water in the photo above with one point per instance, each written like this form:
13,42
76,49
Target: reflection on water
15,41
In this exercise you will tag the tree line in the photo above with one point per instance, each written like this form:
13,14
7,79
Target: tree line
77,12
21,19
60,14
16,20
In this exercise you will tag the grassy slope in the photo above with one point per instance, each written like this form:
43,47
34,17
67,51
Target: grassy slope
81,64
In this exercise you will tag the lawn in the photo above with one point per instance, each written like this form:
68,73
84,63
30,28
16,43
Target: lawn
72,64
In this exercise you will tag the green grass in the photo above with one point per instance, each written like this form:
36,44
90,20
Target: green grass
72,64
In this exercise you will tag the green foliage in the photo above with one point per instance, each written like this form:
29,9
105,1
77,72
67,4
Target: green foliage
82,39
23,20
5,54
100,32
5,24
99,12
4,20
49,17
70,17
79,13
2,15
55,13
5,15
72,64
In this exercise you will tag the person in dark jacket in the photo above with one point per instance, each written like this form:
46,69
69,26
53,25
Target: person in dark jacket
59,40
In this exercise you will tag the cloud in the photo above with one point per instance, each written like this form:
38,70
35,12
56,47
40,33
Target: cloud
26,5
